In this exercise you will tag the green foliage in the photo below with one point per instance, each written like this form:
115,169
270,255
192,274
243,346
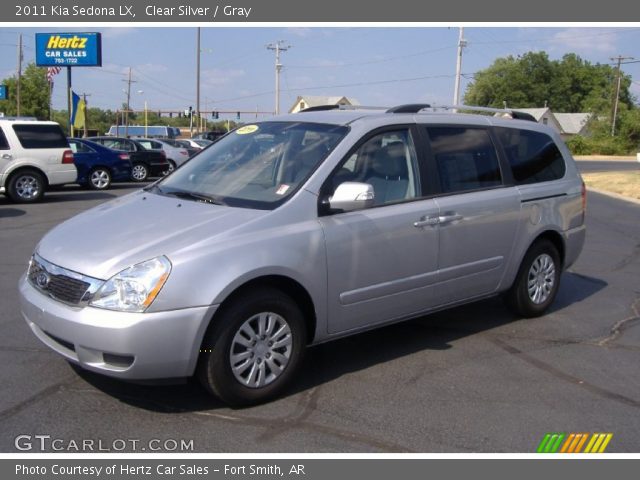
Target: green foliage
34,94
533,80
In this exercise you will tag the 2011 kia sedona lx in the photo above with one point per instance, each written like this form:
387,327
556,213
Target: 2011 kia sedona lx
302,229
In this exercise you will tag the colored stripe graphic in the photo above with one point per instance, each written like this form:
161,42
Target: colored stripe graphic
573,442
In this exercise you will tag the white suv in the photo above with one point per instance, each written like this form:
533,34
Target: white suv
33,155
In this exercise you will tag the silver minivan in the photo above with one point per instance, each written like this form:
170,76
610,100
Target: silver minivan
302,229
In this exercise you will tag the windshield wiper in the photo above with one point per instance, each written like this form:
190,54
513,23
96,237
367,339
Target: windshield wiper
198,197
153,187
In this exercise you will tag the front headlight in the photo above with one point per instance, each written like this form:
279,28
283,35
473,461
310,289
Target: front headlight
133,289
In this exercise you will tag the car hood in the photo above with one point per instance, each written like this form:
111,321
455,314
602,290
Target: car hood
115,235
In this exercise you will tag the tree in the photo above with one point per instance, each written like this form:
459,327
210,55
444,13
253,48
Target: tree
34,94
533,80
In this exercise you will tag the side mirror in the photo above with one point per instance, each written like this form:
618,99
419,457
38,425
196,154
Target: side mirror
351,196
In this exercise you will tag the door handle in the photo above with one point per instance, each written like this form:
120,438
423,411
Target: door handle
7,156
444,219
426,222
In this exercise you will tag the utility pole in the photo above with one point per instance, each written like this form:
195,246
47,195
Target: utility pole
126,113
198,79
461,44
278,47
19,80
619,59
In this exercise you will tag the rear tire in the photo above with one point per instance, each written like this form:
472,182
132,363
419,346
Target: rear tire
172,167
26,186
254,348
537,282
139,172
99,179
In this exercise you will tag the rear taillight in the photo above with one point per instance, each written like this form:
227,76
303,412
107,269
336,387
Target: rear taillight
67,156
123,156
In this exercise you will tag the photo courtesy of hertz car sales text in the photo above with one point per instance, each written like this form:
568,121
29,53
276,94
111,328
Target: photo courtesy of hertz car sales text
302,229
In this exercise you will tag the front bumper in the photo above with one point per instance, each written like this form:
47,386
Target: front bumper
133,346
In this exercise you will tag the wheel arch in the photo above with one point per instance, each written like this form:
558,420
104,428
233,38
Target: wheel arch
26,167
285,284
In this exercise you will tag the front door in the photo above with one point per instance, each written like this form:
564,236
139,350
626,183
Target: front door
382,261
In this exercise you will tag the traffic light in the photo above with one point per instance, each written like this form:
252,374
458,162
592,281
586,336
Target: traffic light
214,115
237,115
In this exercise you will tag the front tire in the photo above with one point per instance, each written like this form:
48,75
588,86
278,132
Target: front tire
537,282
139,172
26,186
99,179
254,348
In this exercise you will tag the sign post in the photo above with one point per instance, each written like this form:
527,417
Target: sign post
69,50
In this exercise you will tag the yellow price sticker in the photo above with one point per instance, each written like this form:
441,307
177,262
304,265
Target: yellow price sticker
247,129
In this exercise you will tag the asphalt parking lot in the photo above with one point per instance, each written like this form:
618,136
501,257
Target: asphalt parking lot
472,379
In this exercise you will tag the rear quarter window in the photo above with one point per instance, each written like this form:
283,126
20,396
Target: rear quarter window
40,136
4,144
534,157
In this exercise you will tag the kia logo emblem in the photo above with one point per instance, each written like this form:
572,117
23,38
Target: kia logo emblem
42,279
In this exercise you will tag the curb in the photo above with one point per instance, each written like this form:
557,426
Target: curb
617,196
604,158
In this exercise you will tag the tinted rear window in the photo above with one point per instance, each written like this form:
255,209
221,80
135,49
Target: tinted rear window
534,156
465,157
40,136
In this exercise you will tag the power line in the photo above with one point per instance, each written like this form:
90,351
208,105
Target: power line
375,61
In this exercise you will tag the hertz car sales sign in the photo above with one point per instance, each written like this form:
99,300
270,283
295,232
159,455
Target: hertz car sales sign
68,49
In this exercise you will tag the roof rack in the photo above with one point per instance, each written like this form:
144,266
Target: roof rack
418,107
30,119
515,114
319,108
409,108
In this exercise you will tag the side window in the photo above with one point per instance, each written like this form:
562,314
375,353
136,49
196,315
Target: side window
387,162
533,156
79,147
4,144
38,135
465,158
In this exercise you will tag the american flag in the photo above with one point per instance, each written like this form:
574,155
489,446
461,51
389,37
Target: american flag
51,71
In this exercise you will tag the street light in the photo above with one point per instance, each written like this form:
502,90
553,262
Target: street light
146,122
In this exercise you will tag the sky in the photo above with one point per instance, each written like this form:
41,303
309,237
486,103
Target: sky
379,66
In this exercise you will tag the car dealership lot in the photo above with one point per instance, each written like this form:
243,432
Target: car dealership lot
472,379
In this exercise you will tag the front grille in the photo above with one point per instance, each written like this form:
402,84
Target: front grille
59,283
67,289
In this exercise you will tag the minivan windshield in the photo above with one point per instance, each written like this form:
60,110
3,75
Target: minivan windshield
256,166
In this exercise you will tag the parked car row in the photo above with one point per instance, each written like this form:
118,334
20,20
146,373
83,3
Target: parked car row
35,155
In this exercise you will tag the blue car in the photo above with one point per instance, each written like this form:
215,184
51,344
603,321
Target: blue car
97,165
